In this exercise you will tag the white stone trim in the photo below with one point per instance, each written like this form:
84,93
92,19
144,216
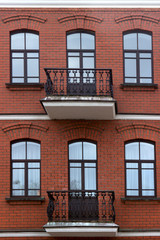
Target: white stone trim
46,117
80,3
44,234
23,234
139,234
137,117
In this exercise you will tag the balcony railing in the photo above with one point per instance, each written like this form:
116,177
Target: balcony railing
81,206
80,82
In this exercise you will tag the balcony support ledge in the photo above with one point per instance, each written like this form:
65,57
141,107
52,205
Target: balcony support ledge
80,107
81,229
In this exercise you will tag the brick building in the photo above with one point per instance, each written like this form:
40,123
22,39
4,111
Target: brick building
79,120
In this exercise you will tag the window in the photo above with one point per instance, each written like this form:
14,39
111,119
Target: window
24,57
25,164
137,50
81,62
140,169
82,165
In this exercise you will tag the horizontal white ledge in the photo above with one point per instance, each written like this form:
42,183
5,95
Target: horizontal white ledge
80,3
46,117
45,234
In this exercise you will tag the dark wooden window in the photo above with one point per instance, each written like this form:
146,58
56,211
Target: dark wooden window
82,166
24,57
81,62
137,50
140,169
25,165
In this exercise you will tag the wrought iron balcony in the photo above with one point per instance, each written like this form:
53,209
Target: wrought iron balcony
78,82
81,206
79,94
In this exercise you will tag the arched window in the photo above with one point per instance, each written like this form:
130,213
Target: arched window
82,166
25,164
137,50
24,57
81,62
140,169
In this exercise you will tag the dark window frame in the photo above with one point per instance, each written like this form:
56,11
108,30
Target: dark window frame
138,52
25,161
81,51
140,170
83,162
24,51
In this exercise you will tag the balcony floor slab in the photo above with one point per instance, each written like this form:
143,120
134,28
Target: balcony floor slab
80,107
81,229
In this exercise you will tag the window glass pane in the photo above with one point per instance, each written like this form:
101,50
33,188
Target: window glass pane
90,178
17,67
73,62
18,150
75,178
18,165
145,80
88,62
144,41
18,55
32,41
132,165
145,68
18,179
34,193
17,80
147,179
130,68
132,151
87,41
32,80
132,193
33,150
132,178
18,193
146,151
73,41
73,54
90,164
147,165
32,67
130,41
130,55
88,54
89,151
33,165
147,193
130,80
75,164
75,151
17,41
35,55
33,178
145,55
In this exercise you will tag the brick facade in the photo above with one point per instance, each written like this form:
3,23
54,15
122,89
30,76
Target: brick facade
54,135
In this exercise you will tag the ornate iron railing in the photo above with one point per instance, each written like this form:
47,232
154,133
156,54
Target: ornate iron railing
81,206
80,82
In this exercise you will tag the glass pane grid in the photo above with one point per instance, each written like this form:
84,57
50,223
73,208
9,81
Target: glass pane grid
145,169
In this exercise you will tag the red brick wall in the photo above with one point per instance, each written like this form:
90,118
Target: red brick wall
54,137
109,54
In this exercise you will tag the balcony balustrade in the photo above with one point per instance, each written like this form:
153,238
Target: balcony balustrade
78,82
79,205
79,94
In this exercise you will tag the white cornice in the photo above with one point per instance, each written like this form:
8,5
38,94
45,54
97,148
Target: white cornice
80,3
46,117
